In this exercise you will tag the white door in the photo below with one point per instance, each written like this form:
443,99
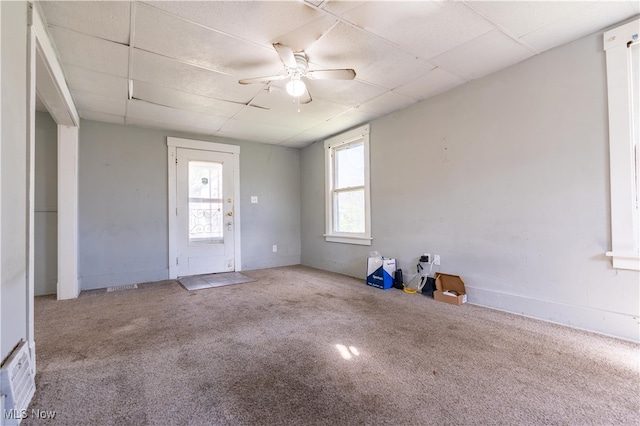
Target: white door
205,215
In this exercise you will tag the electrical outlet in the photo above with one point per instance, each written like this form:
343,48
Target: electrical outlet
275,248
436,259
254,199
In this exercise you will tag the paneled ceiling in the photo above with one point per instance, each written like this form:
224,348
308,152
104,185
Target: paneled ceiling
176,65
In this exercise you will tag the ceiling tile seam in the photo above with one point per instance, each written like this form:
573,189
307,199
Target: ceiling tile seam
174,108
247,105
207,27
81,110
90,70
182,61
179,122
409,98
370,33
501,29
86,35
591,4
189,92
84,92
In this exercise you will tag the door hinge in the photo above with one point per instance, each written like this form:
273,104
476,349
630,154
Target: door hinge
176,161
176,211
176,260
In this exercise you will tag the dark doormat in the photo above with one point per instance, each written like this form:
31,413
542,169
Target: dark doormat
199,282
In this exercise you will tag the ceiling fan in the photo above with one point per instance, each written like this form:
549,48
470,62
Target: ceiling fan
297,66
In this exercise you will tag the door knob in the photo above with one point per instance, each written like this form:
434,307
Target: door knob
230,214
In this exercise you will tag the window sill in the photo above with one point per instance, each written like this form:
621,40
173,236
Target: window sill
363,241
629,261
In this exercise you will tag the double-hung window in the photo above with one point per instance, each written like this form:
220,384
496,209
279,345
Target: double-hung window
622,46
348,205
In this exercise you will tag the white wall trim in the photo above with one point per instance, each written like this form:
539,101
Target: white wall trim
615,324
625,219
52,88
68,287
202,145
172,145
31,178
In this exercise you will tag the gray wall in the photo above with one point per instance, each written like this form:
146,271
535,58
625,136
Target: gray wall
506,178
123,204
13,174
46,206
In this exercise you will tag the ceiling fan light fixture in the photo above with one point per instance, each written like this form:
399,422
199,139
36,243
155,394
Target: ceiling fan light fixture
296,87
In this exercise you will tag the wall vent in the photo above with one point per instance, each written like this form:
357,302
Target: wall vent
17,384
122,287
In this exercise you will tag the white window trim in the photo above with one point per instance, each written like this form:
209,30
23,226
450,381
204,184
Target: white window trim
625,221
360,133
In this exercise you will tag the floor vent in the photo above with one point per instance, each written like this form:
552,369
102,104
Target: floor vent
18,384
123,287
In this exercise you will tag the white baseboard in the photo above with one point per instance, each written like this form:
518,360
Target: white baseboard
615,324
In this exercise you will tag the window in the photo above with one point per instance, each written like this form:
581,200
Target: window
622,48
348,203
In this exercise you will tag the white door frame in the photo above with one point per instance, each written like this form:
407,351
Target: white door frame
172,145
51,87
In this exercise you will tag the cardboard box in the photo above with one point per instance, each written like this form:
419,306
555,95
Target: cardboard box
380,272
446,282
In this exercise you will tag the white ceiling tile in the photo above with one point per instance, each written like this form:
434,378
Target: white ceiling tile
40,106
348,120
340,7
635,4
522,17
101,116
385,104
304,138
424,28
314,2
162,114
259,132
174,74
90,52
483,55
160,32
584,22
108,20
278,101
166,125
257,21
373,60
99,103
303,38
345,92
182,100
435,82
291,118
81,79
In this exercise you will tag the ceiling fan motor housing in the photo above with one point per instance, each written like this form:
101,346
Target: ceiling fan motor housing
301,60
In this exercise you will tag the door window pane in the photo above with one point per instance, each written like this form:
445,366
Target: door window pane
349,214
205,202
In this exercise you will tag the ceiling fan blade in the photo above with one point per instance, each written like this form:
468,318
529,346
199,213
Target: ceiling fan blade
286,55
344,74
262,79
305,98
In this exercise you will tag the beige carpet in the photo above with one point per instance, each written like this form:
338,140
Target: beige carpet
302,346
